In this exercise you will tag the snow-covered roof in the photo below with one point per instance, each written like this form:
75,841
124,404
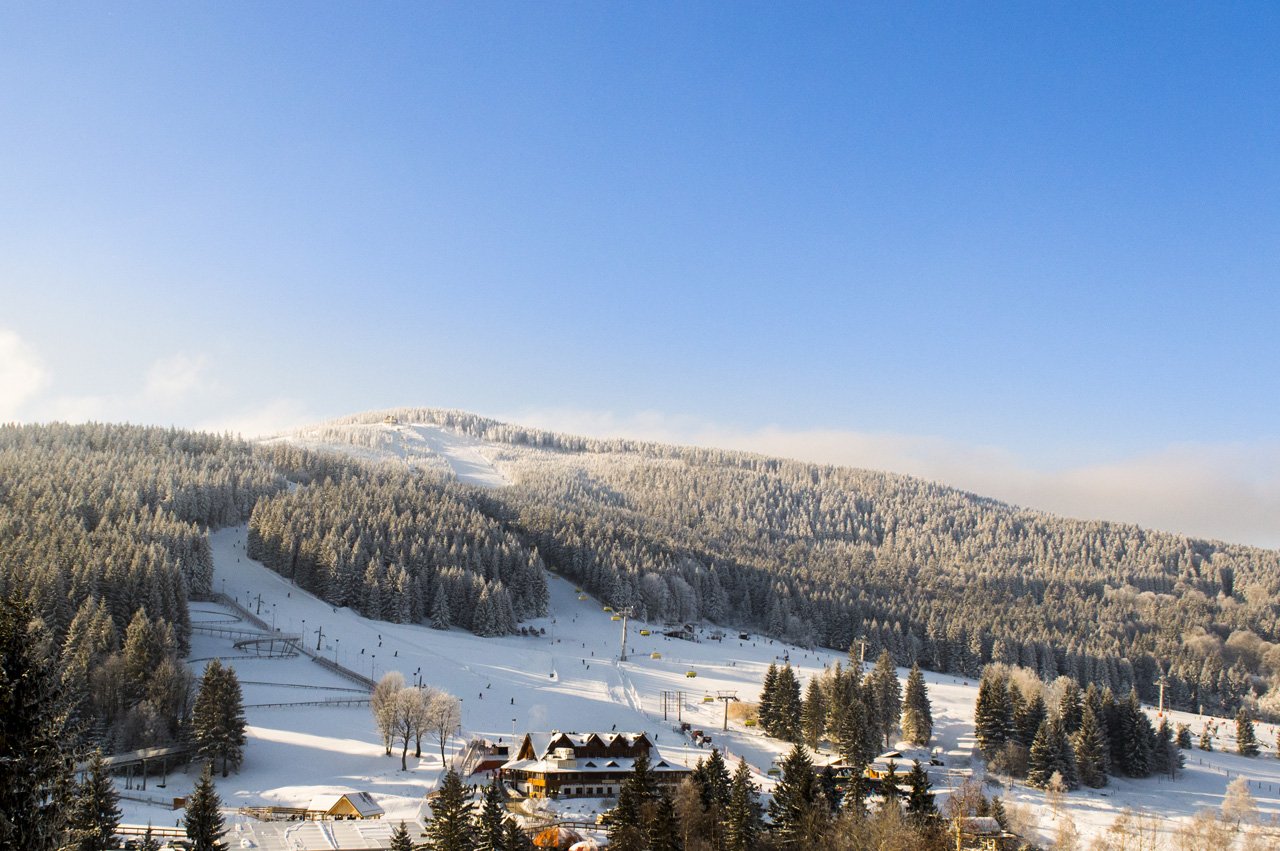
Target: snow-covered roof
360,801
981,825
589,765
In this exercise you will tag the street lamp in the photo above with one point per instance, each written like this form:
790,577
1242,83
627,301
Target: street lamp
336,642
273,617
373,658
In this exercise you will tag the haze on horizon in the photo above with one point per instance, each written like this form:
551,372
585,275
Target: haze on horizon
1029,251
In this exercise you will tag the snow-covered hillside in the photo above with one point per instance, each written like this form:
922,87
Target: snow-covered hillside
415,444
568,679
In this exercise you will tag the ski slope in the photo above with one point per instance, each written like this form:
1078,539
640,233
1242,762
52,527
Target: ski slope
570,679
432,447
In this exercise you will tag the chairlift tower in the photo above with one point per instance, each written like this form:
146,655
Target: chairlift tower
726,696
1162,682
626,613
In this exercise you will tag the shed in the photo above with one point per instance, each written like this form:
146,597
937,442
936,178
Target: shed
343,805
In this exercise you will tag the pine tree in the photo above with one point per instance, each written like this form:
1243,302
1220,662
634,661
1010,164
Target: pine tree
1246,738
1091,751
515,838
743,820
149,841
1206,738
797,800
767,713
450,827
1184,737
1136,735
626,822
712,777
35,760
999,813
400,840
786,706
991,715
815,713
490,827
203,820
917,714
886,695
1050,754
920,805
95,810
1071,707
662,828
1028,719
218,720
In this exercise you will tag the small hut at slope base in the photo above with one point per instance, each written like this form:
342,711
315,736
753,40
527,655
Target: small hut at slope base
343,805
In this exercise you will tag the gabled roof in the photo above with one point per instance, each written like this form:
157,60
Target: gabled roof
360,801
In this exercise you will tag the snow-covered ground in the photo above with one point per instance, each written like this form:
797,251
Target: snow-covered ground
432,447
570,679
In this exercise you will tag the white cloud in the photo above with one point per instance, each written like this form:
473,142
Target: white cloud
271,418
22,374
1225,491
173,378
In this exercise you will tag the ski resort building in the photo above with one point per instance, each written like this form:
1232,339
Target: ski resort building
583,765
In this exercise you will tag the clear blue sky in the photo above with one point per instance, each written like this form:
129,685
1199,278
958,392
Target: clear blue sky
1048,227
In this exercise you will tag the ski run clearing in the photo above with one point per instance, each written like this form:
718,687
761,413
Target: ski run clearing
569,679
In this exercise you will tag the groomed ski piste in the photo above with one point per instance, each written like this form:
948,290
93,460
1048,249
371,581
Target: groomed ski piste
303,743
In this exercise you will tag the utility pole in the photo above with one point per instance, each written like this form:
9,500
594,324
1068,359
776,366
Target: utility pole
259,611
726,696
626,613
319,635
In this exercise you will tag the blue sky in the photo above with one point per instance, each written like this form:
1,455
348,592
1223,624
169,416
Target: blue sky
1047,234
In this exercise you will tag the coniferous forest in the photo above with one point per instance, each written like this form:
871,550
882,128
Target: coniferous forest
102,531
827,556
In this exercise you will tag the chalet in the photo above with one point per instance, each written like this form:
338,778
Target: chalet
584,765
343,805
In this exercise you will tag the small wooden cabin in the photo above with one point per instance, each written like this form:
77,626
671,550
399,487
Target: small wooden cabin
343,805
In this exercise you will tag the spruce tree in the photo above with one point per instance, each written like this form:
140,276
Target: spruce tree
743,820
1246,738
787,706
1136,735
1206,738
712,777
767,713
1050,754
887,696
450,827
490,827
1071,707
400,840
203,820
920,805
917,714
797,800
627,822
217,720
95,810
1028,719
515,838
1091,751
991,715
1184,737
662,828
999,813
35,760
815,713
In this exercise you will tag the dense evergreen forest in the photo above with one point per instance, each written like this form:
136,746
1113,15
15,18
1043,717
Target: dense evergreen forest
102,531
102,535
829,555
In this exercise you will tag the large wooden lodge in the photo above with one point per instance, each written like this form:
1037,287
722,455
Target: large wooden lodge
583,765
